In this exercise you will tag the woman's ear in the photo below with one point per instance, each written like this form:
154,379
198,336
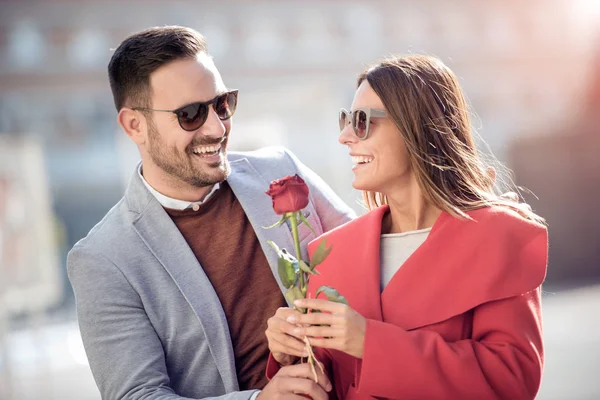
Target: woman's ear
491,172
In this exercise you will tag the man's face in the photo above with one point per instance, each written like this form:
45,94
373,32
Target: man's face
197,158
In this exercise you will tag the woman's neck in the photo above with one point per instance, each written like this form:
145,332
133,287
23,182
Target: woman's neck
409,211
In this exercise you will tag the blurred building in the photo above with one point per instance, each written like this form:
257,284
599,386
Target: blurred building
525,66
295,64
562,167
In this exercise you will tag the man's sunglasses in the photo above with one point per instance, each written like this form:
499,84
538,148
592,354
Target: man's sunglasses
360,119
192,116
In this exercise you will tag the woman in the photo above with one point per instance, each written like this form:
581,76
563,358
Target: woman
443,277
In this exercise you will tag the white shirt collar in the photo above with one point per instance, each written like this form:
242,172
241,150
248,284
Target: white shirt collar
175,204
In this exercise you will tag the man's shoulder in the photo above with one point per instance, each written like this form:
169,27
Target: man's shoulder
271,162
110,231
264,154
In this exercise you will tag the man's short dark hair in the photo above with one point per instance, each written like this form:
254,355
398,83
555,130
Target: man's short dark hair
144,52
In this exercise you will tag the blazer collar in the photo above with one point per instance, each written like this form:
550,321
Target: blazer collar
249,187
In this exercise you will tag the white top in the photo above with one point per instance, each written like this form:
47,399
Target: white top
395,248
174,204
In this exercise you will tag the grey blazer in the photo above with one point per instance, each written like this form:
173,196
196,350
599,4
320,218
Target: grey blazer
151,322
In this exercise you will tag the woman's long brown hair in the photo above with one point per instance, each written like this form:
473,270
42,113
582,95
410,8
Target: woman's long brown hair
424,100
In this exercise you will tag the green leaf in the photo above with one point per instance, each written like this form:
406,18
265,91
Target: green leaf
281,221
304,220
320,254
331,294
287,267
304,267
293,293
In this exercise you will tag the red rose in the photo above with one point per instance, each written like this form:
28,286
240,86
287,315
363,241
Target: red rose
289,194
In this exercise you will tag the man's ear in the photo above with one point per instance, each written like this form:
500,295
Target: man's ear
133,124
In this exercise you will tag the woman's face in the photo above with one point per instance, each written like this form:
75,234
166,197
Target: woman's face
381,161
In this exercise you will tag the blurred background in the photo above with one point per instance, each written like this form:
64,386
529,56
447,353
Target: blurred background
531,70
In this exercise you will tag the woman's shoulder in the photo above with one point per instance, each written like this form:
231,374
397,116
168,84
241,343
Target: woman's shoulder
503,221
497,247
497,230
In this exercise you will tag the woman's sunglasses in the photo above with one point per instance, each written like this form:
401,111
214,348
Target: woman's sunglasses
360,119
192,116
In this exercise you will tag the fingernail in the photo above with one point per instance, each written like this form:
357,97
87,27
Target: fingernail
291,319
297,331
298,303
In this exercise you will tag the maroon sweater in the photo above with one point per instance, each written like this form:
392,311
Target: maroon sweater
226,246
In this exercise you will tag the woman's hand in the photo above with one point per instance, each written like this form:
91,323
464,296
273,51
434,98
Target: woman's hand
344,328
283,344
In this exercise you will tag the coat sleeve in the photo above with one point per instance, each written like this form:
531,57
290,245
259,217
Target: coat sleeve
503,360
123,349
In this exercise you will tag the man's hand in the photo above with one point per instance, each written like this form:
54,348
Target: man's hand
292,381
283,345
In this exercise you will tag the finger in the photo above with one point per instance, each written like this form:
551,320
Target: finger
319,304
277,325
304,371
335,343
293,386
320,331
318,319
283,345
284,312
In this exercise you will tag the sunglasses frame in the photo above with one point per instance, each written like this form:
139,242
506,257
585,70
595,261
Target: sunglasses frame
369,112
199,104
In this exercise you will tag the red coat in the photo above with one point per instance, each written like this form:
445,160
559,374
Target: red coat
461,319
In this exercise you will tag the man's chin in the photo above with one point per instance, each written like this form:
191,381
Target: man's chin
217,174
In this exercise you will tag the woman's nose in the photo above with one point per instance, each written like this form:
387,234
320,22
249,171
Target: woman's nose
347,135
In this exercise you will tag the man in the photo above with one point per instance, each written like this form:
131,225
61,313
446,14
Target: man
175,285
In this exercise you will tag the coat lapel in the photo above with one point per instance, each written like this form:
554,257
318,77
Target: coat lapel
463,264
352,267
164,240
249,188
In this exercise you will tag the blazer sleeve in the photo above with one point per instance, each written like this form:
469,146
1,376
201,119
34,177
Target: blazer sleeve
331,209
503,360
125,353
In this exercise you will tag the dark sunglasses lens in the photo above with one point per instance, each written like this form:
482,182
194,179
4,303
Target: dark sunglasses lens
359,122
225,105
193,116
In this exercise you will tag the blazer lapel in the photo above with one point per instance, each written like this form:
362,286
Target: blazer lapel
164,240
249,188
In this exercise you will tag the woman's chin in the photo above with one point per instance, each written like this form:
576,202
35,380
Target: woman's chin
359,184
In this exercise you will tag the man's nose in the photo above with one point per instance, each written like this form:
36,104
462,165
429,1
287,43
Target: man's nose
213,127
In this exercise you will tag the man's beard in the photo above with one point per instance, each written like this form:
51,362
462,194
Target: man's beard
180,165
